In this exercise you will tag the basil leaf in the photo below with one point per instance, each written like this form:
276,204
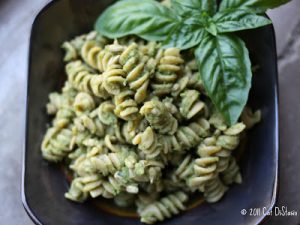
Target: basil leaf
259,6
183,6
225,70
147,19
184,37
231,20
212,29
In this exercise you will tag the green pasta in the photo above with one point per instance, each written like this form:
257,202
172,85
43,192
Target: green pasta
124,199
83,102
138,71
56,144
133,124
190,104
214,190
167,72
164,208
250,118
106,113
126,107
89,122
147,142
184,170
232,173
159,117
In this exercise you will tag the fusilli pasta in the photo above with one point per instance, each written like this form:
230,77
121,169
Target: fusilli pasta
133,123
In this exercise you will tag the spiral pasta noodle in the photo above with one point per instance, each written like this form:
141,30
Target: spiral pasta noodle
124,132
64,100
97,55
90,53
106,113
164,208
186,137
173,108
56,144
204,170
83,102
124,199
63,117
250,118
114,77
185,169
107,163
214,190
167,72
190,80
75,192
126,107
232,173
91,123
147,142
190,104
72,48
159,117
83,79
138,75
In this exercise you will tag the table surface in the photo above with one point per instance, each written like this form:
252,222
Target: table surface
16,17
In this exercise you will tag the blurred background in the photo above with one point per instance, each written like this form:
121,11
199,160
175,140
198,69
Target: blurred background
16,17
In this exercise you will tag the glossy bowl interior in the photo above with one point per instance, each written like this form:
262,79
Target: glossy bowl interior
44,184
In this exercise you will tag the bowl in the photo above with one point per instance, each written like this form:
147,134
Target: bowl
44,184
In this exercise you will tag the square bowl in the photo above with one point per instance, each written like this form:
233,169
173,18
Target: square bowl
44,184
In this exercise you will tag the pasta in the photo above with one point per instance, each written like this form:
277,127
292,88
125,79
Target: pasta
126,107
56,144
106,113
190,104
90,53
214,190
159,117
124,199
185,169
133,124
107,163
250,118
64,100
89,122
232,173
138,71
83,102
164,208
167,72
148,143
204,170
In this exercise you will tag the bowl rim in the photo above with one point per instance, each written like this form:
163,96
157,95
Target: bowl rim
25,204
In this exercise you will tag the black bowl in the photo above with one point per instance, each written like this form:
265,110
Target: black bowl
44,185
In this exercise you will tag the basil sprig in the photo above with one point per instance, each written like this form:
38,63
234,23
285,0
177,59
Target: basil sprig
222,57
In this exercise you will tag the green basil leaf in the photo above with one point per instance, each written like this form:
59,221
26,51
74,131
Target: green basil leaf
212,28
259,6
183,6
225,70
184,37
148,19
231,20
